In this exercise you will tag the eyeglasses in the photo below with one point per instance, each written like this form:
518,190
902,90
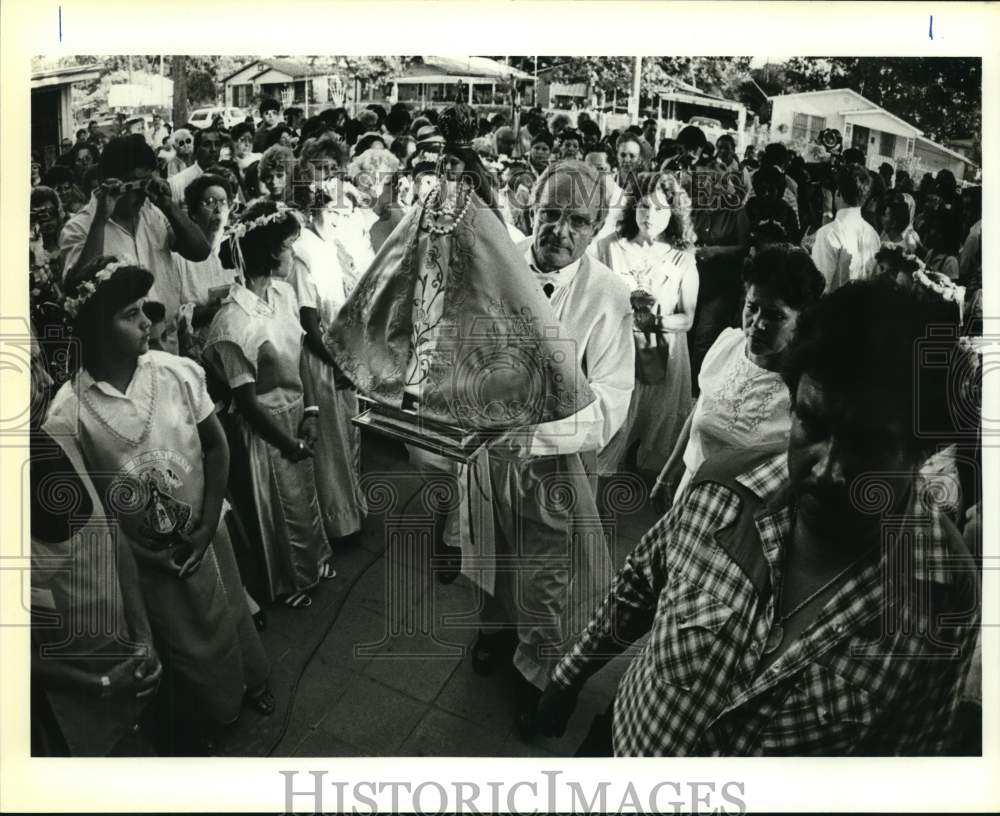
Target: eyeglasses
212,203
184,141
577,223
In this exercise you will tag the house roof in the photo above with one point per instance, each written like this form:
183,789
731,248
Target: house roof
869,106
884,112
291,67
850,91
943,149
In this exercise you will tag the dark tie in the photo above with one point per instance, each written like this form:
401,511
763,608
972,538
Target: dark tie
548,288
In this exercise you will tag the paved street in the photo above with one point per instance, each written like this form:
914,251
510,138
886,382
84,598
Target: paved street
359,674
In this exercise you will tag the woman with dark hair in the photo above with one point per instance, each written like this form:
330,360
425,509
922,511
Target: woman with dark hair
943,242
894,216
744,403
61,179
81,157
148,432
254,345
629,150
651,251
203,284
540,151
322,275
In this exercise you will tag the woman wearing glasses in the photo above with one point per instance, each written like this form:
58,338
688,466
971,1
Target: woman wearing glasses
203,284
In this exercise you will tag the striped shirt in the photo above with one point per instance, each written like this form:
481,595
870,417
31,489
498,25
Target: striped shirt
876,673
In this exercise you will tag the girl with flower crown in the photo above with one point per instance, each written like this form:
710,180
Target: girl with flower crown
150,438
254,345
89,688
322,274
651,252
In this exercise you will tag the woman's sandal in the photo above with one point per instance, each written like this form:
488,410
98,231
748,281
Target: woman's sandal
261,701
298,600
326,572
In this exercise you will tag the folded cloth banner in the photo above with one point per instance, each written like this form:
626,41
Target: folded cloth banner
449,313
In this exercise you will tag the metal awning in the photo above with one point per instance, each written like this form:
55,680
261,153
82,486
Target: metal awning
450,79
65,76
692,99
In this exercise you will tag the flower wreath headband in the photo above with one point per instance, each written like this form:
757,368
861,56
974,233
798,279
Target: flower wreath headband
239,231
87,289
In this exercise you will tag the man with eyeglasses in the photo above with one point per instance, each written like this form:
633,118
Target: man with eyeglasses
535,531
132,215
207,144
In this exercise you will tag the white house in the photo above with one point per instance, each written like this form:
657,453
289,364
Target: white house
798,118
292,83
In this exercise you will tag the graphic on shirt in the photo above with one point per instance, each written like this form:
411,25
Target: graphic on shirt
145,493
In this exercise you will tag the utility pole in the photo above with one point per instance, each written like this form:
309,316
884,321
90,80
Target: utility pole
178,65
633,103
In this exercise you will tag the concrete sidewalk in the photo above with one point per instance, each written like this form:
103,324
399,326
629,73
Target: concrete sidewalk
380,664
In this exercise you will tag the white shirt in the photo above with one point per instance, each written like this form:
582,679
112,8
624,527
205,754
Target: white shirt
595,316
741,406
845,248
179,181
150,247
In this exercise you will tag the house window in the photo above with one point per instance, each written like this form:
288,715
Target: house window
806,127
887,144
909,147
241,96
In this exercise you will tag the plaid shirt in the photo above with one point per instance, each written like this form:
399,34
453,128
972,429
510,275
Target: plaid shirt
878,672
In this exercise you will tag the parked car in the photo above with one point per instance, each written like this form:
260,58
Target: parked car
202,117
705,122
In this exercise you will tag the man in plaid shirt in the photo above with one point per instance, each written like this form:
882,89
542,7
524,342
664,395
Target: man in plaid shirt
815,604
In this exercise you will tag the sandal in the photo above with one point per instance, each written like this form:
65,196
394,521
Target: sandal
484,655
326,572
298,600
261,701
259,620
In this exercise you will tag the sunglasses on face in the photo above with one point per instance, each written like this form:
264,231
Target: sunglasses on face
185,141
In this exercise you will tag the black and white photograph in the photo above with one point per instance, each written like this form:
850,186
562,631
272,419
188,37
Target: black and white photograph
503,406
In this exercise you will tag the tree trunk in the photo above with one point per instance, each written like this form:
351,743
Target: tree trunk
178,70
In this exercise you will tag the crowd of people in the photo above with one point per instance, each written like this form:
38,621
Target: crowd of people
745,333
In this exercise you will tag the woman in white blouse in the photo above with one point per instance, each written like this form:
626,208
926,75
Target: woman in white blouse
651,252
744,403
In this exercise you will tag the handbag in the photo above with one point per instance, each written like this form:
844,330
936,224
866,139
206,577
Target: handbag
651,360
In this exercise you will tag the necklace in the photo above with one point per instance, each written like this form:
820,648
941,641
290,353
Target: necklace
777,633
445,210
110,428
